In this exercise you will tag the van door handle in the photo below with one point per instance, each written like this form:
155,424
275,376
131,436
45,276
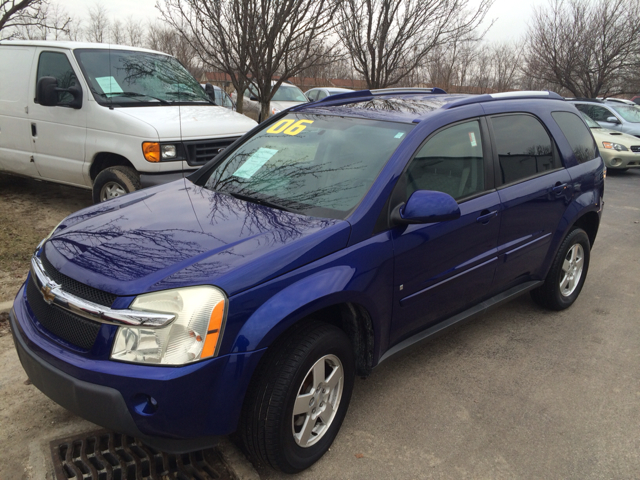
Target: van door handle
34,131
486,215
559,188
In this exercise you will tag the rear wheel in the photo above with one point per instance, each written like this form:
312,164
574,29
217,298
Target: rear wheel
299,398
114,182
567,274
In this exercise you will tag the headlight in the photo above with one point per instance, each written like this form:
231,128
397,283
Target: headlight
162,152
614,146
194,335
169,152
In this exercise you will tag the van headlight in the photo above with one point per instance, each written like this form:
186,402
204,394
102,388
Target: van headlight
194,335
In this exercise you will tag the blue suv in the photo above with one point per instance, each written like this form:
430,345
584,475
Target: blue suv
247,297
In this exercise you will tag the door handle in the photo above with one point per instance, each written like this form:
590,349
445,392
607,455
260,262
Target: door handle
34,131
486,215
559,188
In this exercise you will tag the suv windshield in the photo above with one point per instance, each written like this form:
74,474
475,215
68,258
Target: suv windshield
127,77
313,164
631,113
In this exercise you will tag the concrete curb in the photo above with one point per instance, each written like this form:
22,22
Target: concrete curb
6,306
236,462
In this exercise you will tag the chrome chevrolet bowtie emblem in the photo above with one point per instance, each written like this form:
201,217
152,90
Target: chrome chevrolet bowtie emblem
47,294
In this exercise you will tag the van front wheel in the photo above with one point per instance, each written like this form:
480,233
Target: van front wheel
114,182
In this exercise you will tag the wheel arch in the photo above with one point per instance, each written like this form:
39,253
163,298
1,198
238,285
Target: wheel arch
103,160
320,296
589,222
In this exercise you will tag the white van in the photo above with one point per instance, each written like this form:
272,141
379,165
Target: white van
105,117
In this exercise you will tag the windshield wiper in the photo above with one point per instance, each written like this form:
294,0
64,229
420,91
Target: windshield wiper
190,95
132,95
259,201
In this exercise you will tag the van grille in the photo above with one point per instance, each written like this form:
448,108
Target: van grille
65,325
200,152
76,288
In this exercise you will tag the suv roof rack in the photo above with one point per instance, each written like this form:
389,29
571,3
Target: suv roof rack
582,99
363,94
493,97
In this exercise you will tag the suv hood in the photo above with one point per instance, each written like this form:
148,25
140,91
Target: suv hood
180,234
189,122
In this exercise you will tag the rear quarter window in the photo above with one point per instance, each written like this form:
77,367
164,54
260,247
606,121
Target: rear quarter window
577,134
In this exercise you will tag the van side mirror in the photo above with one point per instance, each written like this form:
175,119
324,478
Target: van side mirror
426,206
613,120
47,93
209,90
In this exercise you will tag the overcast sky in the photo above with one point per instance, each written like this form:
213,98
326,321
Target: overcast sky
511,15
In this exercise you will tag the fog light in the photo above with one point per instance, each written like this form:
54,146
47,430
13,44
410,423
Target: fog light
616,162
145,404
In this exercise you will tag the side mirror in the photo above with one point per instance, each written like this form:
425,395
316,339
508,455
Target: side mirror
613,120
209,90
426,206
47,93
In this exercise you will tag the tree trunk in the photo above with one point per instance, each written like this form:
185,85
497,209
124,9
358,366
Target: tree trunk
240,102
265,111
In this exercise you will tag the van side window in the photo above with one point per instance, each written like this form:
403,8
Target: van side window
524,148
578,135
55,64
451,162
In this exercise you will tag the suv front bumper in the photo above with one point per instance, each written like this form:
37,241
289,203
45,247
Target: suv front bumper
196,403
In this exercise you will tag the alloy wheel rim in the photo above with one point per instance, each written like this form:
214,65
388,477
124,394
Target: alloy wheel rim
111,190
317,401
572,268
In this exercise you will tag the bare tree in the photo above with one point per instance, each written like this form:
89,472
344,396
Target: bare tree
31,19
289,35
98,26
589,48
134,32
218,33
389,39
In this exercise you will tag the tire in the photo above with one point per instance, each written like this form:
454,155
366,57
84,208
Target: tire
567,274
114,182
269,431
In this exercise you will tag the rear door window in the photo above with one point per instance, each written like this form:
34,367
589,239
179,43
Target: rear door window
576,132
524,148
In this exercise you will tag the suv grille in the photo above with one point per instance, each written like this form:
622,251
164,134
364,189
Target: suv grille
635,148
66,325
76,288
199,153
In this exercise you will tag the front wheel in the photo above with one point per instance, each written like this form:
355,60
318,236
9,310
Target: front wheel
299,398
114,182
567,274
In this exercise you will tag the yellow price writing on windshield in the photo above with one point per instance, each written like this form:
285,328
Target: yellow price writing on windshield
289,127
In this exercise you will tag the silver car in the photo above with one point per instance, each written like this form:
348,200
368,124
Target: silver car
614,115
319,93
286,96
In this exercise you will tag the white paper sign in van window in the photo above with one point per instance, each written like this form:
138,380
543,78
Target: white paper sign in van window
109,85
254,162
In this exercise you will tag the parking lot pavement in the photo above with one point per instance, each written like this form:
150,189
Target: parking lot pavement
518,393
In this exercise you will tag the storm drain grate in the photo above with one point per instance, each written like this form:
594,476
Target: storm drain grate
106,455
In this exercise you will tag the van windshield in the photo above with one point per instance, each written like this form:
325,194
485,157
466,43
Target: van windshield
128,78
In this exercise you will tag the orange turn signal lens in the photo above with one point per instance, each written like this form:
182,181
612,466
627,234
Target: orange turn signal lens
213,331
607,145
151,151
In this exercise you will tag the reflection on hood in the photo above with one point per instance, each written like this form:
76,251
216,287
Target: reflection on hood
184,234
